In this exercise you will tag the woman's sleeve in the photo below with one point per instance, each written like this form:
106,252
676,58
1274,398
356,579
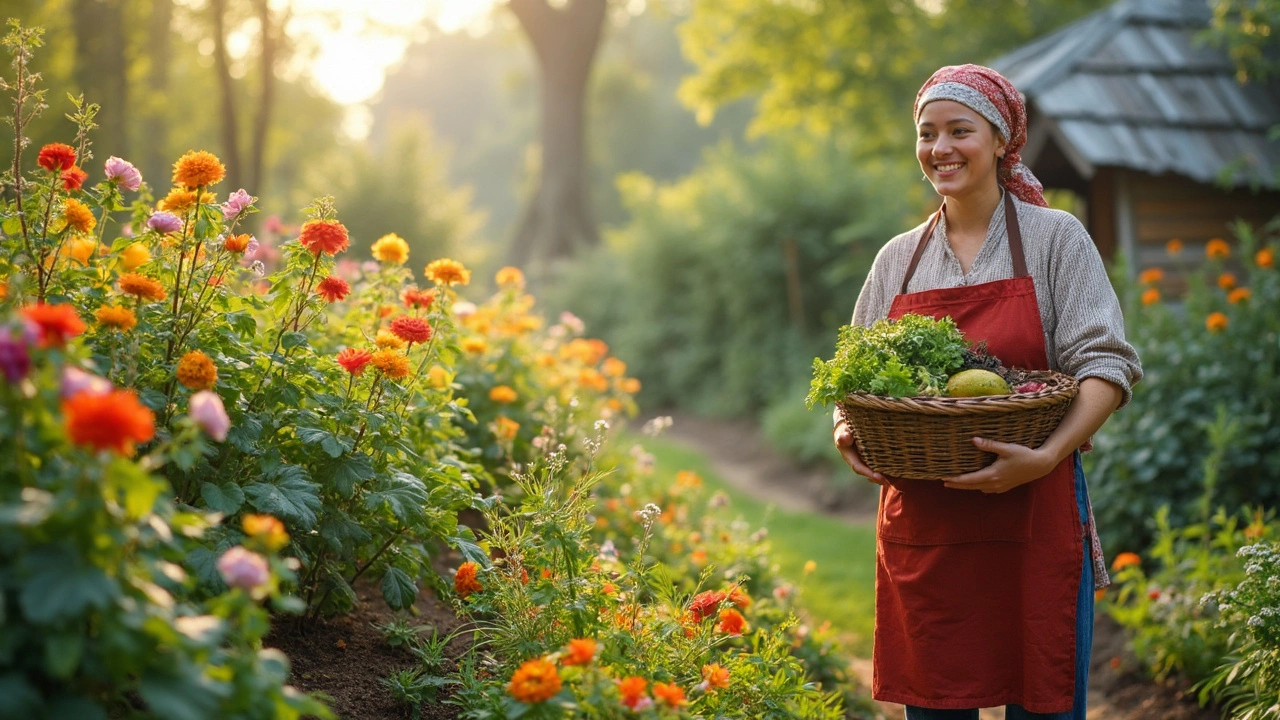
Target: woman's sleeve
1089,336
873,300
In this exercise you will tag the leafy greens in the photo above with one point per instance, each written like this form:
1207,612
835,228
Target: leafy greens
911,356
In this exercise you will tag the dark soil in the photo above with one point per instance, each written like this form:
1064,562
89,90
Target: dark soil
343,659
1116,679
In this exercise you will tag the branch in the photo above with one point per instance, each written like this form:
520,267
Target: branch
539,21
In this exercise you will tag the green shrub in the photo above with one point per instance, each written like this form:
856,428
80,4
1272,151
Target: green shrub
1248,684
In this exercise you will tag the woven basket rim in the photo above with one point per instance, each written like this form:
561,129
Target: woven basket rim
1060,388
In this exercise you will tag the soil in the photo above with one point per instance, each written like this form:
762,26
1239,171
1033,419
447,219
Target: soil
742,457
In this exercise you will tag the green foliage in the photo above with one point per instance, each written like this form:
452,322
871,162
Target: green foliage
913,355
1248,684
1152,452
1247,29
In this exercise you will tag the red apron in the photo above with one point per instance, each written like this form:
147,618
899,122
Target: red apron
975,592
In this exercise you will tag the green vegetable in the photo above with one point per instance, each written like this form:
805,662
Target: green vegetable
908,357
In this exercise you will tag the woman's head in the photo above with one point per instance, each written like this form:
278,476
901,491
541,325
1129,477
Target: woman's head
971,123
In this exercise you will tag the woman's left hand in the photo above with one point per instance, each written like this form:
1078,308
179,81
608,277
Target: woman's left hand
1015,465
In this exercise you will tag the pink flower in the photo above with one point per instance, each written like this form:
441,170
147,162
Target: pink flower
236,204
243,569
573,322
164,222
123,172
205,407
15,361
273,224
76,381
252,248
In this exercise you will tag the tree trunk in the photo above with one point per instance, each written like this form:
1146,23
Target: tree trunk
100,68
155,160
230,125
557,220
262,116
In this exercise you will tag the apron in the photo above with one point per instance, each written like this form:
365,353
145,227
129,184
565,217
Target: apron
976,592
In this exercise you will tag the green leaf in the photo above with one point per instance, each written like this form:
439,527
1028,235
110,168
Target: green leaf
331,444
179,696
344,473
290,496
403,493
203,563
398,589
73,708
60,587
340,531
292,340
225,499
134,488
469,549
11,226
62,653
17,698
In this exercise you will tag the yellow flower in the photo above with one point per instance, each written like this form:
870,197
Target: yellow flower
505,428
613,367
1216,322
503,394
81,249
447,272
135,256
474,345
591,378
631,386
438,377
266,529
1217,249
387,339
78,216
509,277
198,168
196,371
391,248
117,318
1150,296
810,566
394,365
179,201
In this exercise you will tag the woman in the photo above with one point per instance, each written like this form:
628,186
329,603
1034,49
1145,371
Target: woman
985,581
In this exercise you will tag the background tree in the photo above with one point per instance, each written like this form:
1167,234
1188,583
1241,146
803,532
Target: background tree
101,66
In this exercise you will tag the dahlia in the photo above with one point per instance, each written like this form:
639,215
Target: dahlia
116,318
78,215
123,172
448,272
141,287
391,248
465,582
333,288
534,681
391,363
411,330
198,168
415,298
196,371
56,157
114,421
73,178
353,360
581,651
57,323
324,236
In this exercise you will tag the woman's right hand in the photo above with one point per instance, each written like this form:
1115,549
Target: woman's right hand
844,443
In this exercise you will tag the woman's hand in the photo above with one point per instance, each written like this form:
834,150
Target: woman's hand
844,442
1015,465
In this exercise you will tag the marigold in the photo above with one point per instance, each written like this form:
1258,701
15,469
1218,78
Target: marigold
447,272
586,351
592,379
1150,296
503,394
1124,560
509,277
581,651
78,216
237,243
1239,295
465,582
196,371
81,249
1173,247
141,287
613,367
690,479
631,386
324,236
266,529
333,288
386,310
1226,281
179,201
715,676
415,298
1217,249
386,339
534,681
353,360
632,692
411,329
112,421
438,377
57,323
198,168
392,363
670,694
116,318
1216,322
732,622
1266,258
73,178
56,157
505,428
1150,276
391,248
135,256
474,345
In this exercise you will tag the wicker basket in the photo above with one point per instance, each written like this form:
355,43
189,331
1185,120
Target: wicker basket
930,438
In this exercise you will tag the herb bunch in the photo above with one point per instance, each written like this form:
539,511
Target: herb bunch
911,356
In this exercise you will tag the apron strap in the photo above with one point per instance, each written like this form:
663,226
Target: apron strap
1010,225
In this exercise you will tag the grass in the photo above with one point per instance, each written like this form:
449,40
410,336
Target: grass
842,587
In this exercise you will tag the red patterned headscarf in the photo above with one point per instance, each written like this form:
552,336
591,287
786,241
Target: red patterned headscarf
992,96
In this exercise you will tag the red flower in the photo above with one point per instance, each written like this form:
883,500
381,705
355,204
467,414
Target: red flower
114,421
415,298
58,323
353,360
333,288
324,236
56,156
409,329
732,622
705,604
73,178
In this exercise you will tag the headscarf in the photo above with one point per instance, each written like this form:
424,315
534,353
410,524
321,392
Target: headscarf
992,96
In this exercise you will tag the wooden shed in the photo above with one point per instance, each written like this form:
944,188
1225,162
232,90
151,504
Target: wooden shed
1148,127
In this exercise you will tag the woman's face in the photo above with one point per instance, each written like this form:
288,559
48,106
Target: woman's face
957,148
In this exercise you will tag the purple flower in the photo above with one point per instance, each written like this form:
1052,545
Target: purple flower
164,222
123,172
15,361
206,409
76,381
252,247
236,204
243,569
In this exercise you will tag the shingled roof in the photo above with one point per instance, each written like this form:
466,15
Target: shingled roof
1130,86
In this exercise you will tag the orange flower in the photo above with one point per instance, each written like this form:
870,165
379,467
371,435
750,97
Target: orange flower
509,277
387,339
415,298
631,386
698,557
586,351
56,157
670,694
141,287
391,248
1266,258
80,249
394,365
324,236
386,310
266,529
732,622
1239,295
505,428
198,168
613,367
236,243
688,478
474,346
73,178
632,690
411,329
503,394
438,377
116,318
534,681
1226,281
1099,594
333,288
1217,249
196,371
57,323
715,676
179,201
135,256
447,272
580,652
78,216
1124,560
113,421
1216,322
592,379
1173,247
1150,276
353,360
465,582
1150,296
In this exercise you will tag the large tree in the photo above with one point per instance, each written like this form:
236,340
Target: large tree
101,67
557,219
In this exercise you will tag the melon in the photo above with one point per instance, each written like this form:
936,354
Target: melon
975,383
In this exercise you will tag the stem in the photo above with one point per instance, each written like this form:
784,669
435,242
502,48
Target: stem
43,276
360,570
